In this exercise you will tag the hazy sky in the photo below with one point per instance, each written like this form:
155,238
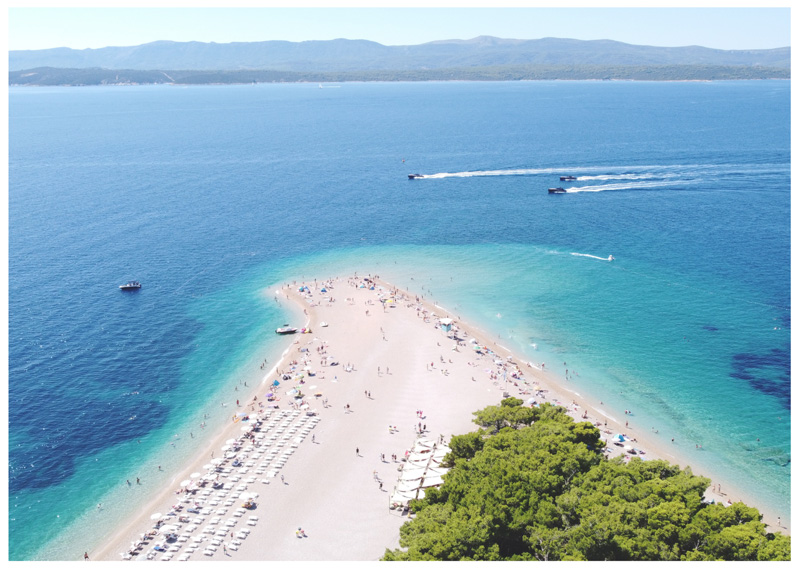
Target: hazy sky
101,26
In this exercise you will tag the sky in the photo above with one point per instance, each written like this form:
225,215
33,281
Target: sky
35,24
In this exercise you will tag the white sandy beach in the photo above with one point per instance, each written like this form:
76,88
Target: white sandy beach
327,489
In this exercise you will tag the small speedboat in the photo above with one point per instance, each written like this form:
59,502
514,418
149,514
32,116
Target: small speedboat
132,285
567,178
286,330
415,176
556,190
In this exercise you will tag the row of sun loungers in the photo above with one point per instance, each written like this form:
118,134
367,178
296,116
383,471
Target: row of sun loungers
215,519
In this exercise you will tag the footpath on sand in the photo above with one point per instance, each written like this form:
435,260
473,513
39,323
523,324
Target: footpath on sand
371,370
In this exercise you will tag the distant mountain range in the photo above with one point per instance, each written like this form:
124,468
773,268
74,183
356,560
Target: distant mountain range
361,55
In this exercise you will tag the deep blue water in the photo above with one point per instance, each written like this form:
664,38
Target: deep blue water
209,194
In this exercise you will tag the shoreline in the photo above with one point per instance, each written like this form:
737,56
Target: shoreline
375,525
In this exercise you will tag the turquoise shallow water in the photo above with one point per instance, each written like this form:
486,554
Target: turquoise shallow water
209,194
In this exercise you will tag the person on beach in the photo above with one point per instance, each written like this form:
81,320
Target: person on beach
86,556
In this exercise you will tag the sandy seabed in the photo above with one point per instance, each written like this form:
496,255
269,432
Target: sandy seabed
337,483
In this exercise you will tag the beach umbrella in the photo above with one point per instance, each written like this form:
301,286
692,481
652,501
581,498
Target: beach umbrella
155,516
195,475
208,466
217,461
246,428
185,482
226,448
531,400
312,387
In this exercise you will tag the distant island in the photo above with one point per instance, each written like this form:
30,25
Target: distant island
480,59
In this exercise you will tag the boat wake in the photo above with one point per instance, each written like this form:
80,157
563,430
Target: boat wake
631,185
485,173
625,177
609,259
608,177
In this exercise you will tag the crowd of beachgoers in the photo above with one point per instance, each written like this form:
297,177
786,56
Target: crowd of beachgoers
367,361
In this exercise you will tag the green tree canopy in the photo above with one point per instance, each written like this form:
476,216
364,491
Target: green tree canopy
532,484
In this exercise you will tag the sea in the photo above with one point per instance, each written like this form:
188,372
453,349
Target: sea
212,196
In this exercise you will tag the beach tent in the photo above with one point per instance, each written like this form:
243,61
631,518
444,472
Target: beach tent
432,481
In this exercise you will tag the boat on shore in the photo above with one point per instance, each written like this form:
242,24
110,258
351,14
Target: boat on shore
556,190
132,285
286,330
414,176
567,178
